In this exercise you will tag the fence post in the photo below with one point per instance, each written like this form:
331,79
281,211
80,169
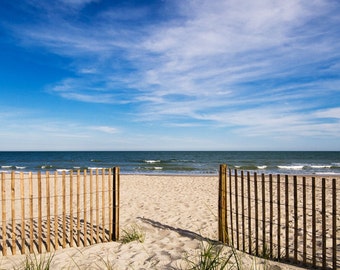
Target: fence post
236,211
334,218
39,214
14,244
115,222
222,228
323,226
256,215
4,217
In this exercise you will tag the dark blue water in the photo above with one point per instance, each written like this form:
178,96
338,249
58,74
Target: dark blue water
175,162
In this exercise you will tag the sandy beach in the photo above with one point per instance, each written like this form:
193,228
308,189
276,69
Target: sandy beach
177,214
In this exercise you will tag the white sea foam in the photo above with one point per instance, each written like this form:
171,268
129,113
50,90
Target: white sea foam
13,167
292,167
95,168
46,166
62,170
152,161
262,167
158,168
320,166
328,173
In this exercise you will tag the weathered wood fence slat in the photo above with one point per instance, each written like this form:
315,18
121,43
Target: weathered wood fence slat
42,212
293,218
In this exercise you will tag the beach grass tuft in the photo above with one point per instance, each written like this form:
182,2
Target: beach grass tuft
133,233
213,256
38,262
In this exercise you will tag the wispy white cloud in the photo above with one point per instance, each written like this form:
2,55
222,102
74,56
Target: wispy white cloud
105,129
328,113
29,130
77,2
255,65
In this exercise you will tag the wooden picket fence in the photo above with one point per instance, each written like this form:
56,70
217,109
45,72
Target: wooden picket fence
42,212
286,218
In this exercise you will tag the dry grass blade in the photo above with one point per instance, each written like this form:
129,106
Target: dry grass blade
133,233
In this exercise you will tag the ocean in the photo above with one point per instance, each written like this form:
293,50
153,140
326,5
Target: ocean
175,162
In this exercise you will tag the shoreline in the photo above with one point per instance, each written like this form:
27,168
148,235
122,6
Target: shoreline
176,162
67,172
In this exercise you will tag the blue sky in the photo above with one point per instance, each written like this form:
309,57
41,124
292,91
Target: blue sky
170,75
